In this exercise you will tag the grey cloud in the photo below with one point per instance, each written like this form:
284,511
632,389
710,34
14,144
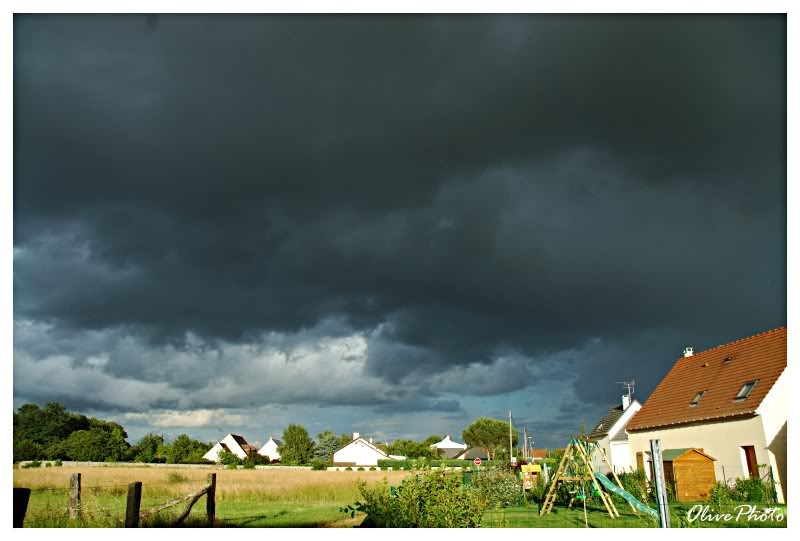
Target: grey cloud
588,191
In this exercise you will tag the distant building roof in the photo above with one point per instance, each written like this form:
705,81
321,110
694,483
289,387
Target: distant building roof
704,386
447,443
602,428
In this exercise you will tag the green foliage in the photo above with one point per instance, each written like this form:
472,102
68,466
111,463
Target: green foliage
253,459
752,490
372,468
297,448
226,458
421,463
538,491
348,468
430,500
634,482
183,450
96,445
44,433
498,487
319,465
414,449
719,497
27,450
146,449
360,468
57,464
490,435
32,464
327,444
432,439
176,477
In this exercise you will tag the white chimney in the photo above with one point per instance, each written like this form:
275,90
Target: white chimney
370,440
626,401
356,435
688,352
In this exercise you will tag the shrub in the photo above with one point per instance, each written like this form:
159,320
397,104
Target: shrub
719,497
360,468
434,499
450,463
32,464
498,487
48,465
319,465
372,468
176,477
348,468
58,463
752,490
634,482
228,459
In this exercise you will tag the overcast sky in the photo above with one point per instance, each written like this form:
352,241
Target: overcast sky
389,225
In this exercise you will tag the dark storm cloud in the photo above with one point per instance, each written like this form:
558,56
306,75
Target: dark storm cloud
465,188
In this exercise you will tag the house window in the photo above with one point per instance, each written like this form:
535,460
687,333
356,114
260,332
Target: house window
746,389
696,399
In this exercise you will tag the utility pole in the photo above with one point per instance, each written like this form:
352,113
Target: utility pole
510,440
525,443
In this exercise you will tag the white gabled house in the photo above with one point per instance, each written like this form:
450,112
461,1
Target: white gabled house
450,448
730,402
270,449
611,436
233,443
361,452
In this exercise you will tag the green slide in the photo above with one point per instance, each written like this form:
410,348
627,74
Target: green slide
630,498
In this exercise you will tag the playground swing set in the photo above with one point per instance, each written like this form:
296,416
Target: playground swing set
576,471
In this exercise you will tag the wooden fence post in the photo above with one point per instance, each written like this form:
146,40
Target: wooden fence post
134,502
75,495
211,504
21,497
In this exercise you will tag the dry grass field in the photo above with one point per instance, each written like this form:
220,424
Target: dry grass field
261,497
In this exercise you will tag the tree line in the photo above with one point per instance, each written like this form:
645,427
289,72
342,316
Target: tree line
53,433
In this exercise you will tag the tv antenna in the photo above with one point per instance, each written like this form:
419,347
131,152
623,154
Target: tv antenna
629,385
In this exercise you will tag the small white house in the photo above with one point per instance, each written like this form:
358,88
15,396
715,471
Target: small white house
233,443
450,448
361,452
611,436
270,449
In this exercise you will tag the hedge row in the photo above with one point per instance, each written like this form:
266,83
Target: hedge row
435,463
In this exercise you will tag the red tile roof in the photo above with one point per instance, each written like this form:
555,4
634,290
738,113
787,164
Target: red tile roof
720,372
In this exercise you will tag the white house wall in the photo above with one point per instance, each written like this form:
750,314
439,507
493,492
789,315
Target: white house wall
773,412
721,440
358,453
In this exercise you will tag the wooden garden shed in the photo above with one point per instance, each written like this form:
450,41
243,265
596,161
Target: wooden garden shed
690,472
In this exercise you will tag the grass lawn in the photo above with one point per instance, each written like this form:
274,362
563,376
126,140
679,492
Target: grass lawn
561,517
277,498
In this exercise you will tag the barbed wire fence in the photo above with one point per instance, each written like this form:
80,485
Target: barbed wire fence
99,506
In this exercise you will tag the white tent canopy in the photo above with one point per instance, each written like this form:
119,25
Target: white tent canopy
451,449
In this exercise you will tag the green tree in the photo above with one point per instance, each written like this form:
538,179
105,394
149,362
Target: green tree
491,435
432,439
297,448
146,449
93,445
183,450
327,444
27,450
413,449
